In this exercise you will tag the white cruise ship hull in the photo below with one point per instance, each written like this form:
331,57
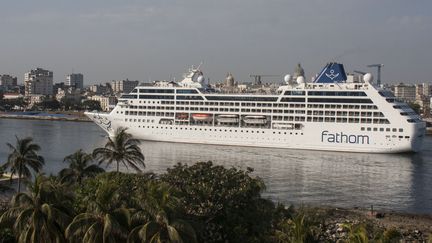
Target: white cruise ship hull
313,136
329,114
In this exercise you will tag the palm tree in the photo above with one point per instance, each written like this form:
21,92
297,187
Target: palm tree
102,222
160,202
79,167
24,157
41,214
121,148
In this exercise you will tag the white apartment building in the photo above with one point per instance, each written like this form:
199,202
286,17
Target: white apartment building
107,103
405,92
75,80
123,86
38,82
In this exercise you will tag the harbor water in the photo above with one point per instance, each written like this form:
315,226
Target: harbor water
399,182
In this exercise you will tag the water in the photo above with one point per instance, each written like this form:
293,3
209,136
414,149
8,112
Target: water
399,182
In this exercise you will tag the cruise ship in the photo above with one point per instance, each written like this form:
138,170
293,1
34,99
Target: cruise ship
330,113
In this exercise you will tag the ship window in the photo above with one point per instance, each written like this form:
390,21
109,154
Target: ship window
400,130
294,92
394,130
369,129
150,91
381,129
338,100
187,91
362,128
375,129
387,129
336,93
407,137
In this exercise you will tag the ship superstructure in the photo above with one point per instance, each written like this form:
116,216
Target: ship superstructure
328,114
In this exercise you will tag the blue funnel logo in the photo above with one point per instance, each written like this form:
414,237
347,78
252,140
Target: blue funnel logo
332,73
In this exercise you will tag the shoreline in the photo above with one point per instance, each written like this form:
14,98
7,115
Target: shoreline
412,227
50,118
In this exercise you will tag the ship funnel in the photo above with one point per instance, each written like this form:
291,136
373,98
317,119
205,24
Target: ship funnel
332,73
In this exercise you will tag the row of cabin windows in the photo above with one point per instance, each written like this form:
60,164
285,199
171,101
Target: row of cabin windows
325,93
143,113
331,106
214,129
281,118
347,120
345,113
309,112
381,129
165,91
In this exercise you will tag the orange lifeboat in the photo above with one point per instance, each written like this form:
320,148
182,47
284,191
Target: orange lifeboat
202,117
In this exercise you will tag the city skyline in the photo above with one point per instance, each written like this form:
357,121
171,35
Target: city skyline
109,40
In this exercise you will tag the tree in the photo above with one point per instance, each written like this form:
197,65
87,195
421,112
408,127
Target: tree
92,105
80,167
103,221
121,148
158,199
41,215
416,107
224,203
23,158
49,104
3,187
70,103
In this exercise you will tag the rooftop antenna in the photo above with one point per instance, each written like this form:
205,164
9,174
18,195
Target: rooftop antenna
198,68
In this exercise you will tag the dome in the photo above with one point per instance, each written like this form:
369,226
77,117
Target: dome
229,80
299,71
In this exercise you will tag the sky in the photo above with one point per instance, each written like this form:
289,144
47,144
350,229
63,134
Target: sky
158,39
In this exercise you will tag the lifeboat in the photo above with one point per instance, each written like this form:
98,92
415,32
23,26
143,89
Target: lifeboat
227,118
283,125
202,117
182,116
255,120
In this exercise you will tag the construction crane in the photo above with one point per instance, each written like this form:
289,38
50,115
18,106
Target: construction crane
379,66
258,77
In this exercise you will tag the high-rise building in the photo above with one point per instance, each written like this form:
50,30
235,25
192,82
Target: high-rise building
75,80
7,81
123,86
405,92
38,81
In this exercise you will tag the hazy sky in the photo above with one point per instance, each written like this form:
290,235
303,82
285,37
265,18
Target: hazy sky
153,39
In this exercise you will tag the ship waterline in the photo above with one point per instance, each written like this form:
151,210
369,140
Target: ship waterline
338,116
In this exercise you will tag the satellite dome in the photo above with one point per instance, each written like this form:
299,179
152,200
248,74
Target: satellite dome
368,78
300,80
287,78
200,79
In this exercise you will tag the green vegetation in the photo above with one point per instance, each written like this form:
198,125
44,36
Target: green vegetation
123,149
23,158
189,203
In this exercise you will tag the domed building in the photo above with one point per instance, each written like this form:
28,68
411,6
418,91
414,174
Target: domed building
298,72
229,80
